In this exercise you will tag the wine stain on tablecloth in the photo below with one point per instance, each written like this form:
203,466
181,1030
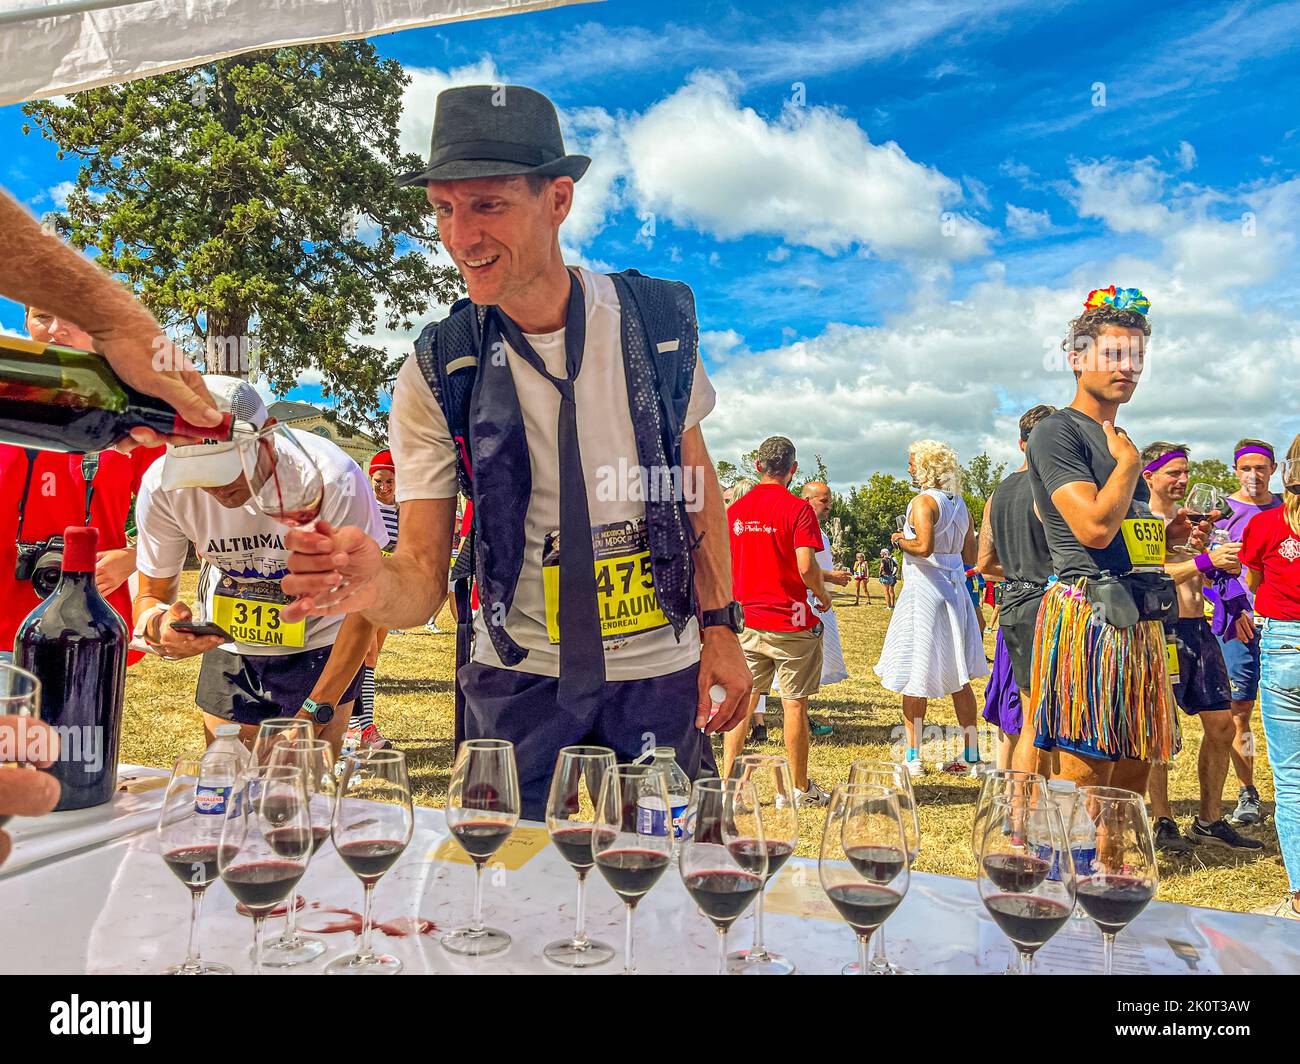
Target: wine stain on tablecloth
402,927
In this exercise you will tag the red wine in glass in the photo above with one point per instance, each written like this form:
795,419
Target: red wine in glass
482,838
1028,921
748,854
370,859
1016,873
291,842
864,906
632,872
262,885
722,896
195,866
880,864
574,845
1114,901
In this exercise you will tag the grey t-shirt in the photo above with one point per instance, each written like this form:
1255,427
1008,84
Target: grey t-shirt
1068,447
1019,536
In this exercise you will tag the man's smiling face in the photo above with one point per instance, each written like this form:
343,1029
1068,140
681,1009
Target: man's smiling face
498,232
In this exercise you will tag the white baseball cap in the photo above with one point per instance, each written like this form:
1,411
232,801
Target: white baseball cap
215,463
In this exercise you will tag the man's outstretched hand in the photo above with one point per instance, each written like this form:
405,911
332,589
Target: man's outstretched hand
331,571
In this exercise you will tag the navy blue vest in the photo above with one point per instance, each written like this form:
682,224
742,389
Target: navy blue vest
660,341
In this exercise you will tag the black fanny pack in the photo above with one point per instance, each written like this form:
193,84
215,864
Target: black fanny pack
1123,601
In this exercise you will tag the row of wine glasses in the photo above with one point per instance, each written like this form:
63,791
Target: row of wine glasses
258,826
1038,857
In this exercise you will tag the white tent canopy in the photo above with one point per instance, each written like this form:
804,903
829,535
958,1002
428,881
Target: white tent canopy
61,46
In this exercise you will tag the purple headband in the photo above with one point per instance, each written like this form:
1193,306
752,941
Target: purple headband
1169,456
1253,449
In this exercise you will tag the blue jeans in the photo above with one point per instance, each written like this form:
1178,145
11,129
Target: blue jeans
1279,691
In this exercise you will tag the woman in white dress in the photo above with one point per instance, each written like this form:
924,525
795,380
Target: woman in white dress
933,647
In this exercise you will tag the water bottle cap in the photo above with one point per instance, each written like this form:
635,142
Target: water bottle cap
666,751
1068,786
226,731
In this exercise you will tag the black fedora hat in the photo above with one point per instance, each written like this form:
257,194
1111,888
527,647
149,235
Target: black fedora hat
495,131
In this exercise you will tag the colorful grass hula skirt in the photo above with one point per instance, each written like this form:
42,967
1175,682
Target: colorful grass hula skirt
1098,691
1002,696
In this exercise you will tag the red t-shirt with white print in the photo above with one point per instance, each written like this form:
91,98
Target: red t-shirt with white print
1271,547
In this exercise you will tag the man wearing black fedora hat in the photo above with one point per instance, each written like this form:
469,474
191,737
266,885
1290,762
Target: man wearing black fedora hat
566,404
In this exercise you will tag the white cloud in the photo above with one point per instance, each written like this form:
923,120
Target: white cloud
810,176
1186,155
964,370
1024,221
58,194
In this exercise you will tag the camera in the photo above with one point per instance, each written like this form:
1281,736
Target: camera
41,563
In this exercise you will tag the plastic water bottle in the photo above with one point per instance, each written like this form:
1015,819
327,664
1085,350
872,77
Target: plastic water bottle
1063,794
222,764
652,818
351,740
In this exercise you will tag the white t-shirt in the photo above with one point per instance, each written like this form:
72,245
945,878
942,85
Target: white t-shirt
425,457
243,550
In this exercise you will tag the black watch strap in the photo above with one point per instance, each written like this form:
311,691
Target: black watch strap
732,616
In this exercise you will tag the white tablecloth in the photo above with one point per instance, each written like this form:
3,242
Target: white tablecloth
91,894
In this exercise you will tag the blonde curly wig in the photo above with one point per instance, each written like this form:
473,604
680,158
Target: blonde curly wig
936,466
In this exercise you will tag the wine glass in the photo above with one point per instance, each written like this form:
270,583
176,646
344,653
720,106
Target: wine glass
276,730
1005,782
569,820
1202,500
371,827
189,834
900,523
896,777
265,842
863,865
1122,877
632,841
724,855
1023,839
316,759
482,811
284,479
20,696
770,776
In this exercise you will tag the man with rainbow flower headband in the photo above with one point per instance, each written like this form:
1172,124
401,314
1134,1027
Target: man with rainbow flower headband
1100,695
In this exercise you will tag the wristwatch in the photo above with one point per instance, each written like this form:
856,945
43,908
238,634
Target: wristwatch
732,616
321,712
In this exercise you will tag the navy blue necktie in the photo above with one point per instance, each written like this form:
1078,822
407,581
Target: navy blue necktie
582,654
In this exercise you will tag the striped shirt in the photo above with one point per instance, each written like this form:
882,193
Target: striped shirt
389,514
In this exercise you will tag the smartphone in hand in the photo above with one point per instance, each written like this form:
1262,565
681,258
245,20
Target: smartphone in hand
201,629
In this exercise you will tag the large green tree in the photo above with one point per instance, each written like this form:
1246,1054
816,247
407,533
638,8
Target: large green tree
251,204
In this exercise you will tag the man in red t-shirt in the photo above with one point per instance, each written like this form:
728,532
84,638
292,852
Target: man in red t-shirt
56,497
774,543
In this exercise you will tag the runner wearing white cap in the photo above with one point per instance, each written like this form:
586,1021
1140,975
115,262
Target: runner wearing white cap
269,667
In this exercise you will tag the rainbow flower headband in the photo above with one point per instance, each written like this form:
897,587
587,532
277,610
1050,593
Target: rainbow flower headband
1119,298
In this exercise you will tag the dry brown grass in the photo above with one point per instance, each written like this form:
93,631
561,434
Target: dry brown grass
414,708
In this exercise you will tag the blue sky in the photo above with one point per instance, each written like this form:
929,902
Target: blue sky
889,211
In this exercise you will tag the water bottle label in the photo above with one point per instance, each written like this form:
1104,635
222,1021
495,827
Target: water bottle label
679,819
651,817
210,800
1084,856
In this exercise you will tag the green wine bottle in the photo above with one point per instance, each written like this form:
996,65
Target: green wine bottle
57,398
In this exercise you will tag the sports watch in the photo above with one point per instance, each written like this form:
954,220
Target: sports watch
732,616
321,712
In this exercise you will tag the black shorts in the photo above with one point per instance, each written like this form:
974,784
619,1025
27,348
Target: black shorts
248,689
525,708
1203,682
1019,638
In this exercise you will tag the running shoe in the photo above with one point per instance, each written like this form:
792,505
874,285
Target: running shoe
372,740
1248,809
1221,833
915,769
959,766
819,729
1169,839
758,734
